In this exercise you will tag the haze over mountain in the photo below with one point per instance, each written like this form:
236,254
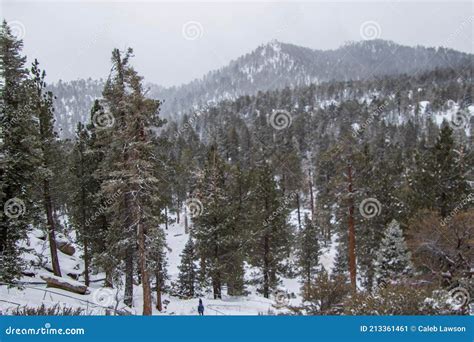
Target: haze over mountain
274,65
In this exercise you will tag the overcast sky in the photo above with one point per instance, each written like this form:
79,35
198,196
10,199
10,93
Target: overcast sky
177,42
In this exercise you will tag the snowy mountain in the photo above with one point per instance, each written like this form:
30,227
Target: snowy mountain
274,65
72,104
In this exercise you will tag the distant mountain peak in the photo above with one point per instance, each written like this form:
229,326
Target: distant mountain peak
273,65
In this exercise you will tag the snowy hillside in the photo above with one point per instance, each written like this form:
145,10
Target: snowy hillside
100,301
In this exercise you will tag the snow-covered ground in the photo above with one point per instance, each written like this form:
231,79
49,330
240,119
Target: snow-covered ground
98,299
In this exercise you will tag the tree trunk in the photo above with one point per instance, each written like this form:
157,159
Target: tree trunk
166,217
266,266
298,210
216,274
64,284
85,233
147,309
352,255
178,211
216,286
51,229
86,263
186,229
108,278
202,270
128,291
311,197
159,305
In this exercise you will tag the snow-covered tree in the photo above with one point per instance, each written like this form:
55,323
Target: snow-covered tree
308,251
393,259
17,167
47,144
211,226
133,181
187,277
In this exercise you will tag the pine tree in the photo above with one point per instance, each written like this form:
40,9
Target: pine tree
17,154
393,260
451,185
270,236
438,180
158,263
132,180
236,232
211,225
97,148
380,181
308,253
43,101
83,191
187,277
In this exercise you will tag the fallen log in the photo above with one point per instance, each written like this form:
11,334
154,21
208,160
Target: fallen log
64,284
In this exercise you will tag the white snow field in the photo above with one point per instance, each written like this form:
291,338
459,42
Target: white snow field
101,301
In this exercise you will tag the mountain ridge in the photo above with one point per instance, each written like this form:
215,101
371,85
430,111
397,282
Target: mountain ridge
273,65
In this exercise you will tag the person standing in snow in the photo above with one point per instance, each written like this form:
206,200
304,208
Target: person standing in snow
201,308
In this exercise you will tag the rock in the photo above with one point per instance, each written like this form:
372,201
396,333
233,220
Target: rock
28,273
74,276
64,284
65,247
